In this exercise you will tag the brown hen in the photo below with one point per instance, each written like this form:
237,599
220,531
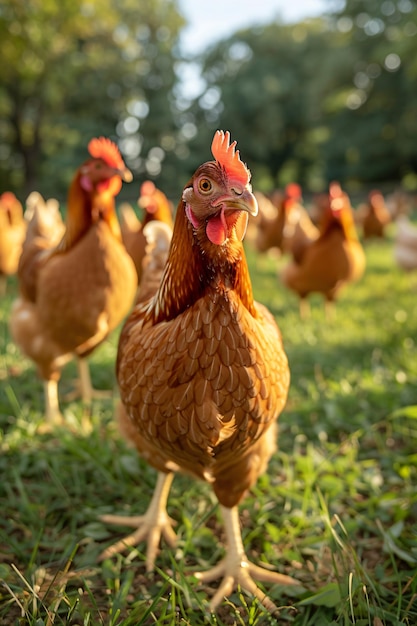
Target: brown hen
290,229
83,287
374,216
334,259
156,206
202,371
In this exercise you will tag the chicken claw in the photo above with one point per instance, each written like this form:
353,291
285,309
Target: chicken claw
150,526
238,571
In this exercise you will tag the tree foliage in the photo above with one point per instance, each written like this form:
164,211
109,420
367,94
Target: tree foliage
73,70
329,98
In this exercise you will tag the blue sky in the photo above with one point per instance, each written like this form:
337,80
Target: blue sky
216,19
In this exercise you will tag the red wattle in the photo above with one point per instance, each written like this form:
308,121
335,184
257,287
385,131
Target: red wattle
216,231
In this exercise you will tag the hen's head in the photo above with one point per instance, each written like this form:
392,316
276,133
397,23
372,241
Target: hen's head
376,199
146,198
341,213
105,170
219,198
154,202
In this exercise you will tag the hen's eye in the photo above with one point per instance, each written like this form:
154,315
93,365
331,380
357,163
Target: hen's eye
204,185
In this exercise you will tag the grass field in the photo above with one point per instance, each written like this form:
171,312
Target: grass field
337,508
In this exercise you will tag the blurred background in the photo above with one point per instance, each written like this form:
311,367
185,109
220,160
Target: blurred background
328,92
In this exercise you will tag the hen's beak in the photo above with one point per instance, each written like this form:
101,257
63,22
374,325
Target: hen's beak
125,175
242,201
237,207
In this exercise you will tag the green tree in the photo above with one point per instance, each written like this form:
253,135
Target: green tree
256,87
72,70
370,105
330,98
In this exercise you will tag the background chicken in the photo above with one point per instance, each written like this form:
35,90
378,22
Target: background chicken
373,216
405,243
202,372
335,258
155,206
267,212
44,215
400,202
85,285
290,229
44,231
12,233
158,237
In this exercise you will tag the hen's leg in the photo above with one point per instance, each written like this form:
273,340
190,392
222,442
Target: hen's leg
52,413
87,390
150,526
305,310
84,387
329,310
237,570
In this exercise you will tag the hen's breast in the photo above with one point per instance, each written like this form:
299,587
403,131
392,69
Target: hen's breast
204,387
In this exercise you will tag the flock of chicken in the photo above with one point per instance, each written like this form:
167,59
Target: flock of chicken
323,244
201,368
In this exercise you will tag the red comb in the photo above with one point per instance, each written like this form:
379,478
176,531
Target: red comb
293,190
335,190
103,148
225,154
337,196
147,188
8,197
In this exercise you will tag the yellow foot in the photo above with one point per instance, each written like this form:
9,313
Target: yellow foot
236,571
149,527
52,421
53,415
93,394
83,387
243,575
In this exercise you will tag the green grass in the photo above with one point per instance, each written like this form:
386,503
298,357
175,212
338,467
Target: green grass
337,508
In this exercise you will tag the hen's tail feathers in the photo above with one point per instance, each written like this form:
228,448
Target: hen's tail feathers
44,218
158,240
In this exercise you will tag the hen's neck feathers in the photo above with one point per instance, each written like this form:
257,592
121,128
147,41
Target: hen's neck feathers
193,267
344,225
82,205
78,214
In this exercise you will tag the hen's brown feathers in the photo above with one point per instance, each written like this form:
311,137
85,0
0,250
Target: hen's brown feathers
201,367
332,260
202,386
73,294
100,272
